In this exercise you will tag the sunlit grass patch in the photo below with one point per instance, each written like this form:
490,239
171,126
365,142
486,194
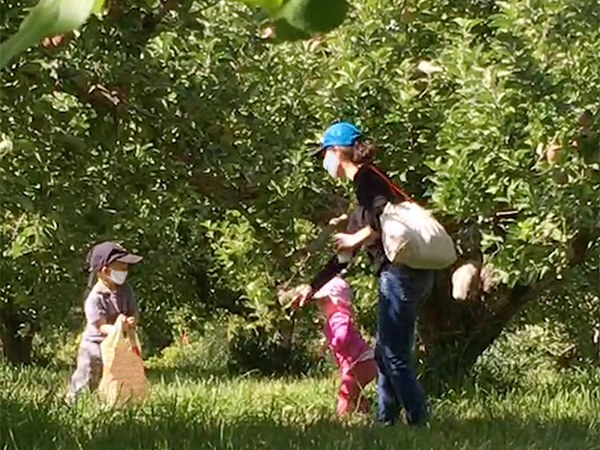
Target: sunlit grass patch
256,413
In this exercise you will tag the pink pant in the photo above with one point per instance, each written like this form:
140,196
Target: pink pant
353,383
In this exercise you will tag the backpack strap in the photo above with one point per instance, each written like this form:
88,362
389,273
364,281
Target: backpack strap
396,189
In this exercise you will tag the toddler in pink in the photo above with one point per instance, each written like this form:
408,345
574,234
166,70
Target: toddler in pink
354,357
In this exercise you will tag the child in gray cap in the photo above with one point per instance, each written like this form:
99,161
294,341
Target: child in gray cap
109,300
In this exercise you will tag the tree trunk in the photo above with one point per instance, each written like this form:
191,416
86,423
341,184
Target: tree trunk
16,333
455,333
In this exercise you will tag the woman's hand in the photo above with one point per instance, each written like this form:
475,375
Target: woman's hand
301,297
339,221
131,322
349,242
345,242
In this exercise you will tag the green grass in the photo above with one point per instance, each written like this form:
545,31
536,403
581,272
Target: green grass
192,412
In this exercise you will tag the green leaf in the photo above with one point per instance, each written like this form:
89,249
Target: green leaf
47,18
98,6
272,6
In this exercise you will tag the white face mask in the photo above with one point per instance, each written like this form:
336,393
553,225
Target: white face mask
117,276
330,163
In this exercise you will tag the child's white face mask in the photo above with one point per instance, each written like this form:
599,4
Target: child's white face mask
330,163
117,276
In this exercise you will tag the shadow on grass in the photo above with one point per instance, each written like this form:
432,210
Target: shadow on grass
194,373
49,425
188,373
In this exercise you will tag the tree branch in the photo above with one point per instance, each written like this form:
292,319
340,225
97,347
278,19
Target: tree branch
551,282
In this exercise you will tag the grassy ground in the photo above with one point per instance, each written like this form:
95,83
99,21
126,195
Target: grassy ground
191,412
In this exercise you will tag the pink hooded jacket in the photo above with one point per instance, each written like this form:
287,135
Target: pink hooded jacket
345,341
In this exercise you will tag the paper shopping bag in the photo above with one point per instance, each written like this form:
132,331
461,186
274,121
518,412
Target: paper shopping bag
123,373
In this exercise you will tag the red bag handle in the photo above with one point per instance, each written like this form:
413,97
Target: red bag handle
391,185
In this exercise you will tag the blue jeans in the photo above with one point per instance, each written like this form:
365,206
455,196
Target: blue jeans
400,288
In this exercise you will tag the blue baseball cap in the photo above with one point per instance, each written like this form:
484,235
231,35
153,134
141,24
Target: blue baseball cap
340,133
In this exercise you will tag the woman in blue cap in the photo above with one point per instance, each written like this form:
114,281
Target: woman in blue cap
347,155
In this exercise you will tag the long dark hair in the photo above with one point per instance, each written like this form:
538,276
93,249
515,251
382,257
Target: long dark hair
362,152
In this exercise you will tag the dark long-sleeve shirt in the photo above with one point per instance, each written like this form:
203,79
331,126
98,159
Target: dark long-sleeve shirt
372,194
